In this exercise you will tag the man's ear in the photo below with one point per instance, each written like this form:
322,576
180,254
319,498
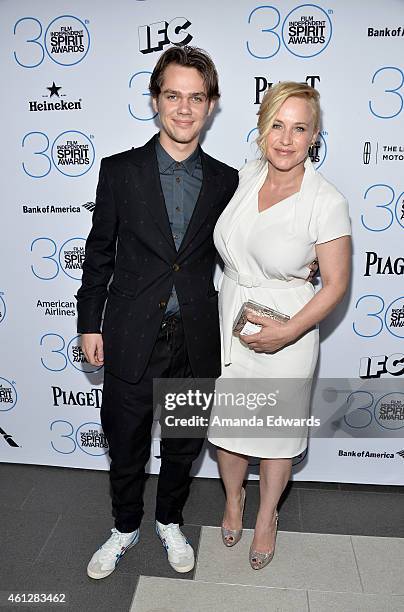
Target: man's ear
211,106
155,104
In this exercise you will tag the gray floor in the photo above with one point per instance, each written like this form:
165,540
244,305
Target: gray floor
54,518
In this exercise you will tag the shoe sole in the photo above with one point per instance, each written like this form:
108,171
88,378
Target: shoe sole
182,569
107,573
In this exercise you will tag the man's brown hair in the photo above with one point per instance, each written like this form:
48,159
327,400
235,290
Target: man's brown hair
192,57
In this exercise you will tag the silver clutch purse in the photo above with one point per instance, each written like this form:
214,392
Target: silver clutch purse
243,326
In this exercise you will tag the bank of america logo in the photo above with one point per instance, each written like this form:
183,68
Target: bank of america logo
89,206
366,152
401,453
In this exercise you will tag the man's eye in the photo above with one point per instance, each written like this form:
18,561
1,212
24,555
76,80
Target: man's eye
171,96
196,99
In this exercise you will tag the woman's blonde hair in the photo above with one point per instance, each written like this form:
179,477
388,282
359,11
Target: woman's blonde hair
273,100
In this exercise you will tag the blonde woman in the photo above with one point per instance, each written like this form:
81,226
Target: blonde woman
283,215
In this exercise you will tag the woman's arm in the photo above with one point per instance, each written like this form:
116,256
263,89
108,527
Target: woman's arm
334,259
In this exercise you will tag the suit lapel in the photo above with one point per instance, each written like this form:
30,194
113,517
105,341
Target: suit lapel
149,187
206,200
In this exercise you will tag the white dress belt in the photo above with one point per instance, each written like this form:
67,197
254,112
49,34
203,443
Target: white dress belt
246,280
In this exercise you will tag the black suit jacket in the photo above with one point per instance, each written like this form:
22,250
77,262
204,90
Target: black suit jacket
131,241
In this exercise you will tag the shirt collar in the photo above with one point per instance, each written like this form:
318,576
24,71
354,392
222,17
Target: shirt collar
165,161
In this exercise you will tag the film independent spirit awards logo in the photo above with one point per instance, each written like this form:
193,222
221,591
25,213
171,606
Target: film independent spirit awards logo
8,395
73,153
3,308
307,30
389,411
67,40
91,439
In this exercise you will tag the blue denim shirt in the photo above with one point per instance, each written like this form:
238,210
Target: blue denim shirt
181,183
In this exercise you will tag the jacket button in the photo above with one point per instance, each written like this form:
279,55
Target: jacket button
162,304
176,267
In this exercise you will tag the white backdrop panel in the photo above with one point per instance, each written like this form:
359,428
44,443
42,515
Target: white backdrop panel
75,89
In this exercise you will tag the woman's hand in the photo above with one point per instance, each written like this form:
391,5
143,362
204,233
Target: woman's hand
272,337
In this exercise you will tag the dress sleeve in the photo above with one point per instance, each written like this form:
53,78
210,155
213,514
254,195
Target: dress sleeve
333,218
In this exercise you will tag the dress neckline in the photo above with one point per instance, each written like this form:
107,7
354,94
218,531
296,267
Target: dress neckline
292,195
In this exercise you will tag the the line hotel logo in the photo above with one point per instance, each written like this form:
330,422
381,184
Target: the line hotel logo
367,148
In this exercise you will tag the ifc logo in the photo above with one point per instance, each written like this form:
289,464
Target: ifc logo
8,395
67,40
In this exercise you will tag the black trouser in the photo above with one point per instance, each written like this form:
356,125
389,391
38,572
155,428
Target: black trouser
127,417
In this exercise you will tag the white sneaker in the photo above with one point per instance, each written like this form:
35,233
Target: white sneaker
179,551
104,561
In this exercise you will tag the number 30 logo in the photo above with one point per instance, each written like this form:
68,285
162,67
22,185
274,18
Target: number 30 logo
66,41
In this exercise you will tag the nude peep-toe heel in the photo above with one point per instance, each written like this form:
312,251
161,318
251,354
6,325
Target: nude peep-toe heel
259,560
230,537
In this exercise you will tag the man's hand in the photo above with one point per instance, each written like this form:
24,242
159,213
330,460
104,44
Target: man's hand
93,348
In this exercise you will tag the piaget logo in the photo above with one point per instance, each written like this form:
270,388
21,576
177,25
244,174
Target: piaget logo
67,397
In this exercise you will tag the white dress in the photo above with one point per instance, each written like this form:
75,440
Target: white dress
267,257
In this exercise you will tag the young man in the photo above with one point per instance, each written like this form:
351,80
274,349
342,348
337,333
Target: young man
156,209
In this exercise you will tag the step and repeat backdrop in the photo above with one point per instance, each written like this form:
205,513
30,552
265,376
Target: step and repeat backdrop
75,88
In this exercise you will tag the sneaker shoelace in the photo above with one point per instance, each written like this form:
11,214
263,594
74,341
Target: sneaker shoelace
175,536
116,539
